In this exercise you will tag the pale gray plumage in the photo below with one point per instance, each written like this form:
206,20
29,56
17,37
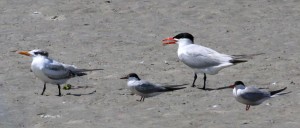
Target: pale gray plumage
146,89
51,71
201,59
251,96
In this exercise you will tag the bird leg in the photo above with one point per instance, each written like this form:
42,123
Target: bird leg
59,94
247,107
195,77
204,79
44,89
142,99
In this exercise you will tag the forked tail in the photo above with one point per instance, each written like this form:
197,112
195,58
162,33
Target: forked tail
173,88
87,70
243,58
236,61
249,56
277,91
81,72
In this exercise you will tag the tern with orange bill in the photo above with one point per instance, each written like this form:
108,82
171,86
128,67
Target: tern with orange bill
51,71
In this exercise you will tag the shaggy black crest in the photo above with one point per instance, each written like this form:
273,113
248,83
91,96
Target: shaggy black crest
185,35
43,53
134,75
239,83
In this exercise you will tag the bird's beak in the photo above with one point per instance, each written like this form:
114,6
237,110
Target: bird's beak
125,77
231,86
226,87
26,53
169,40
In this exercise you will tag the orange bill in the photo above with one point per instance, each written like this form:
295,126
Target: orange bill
26,53
169,40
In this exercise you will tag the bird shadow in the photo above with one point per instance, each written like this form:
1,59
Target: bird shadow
76,94
174,85
79,87
208,89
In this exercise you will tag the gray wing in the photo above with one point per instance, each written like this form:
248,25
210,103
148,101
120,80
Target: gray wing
198,61
57,71
253,97
254,94
201,57
147,87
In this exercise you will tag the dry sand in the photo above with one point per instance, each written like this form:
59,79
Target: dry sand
124,36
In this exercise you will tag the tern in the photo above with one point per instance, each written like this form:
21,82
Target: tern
51,71
146,89
202,59
251,96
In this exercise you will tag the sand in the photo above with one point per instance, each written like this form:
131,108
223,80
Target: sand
124,36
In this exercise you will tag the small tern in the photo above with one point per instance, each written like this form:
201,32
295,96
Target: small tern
202,59
146,89
51,71
251,96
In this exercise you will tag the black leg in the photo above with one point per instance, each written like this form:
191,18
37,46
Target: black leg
140,99
204,79
247,107
143,99
195,77
59,94
44,89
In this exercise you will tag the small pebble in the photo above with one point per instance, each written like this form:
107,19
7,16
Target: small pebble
166,62
215,106
36,12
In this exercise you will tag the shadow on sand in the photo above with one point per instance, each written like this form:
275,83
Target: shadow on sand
93,92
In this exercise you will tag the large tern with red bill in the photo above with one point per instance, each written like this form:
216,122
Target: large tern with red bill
202,59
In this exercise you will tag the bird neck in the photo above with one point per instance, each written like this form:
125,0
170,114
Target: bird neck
132,81
240,87
39,59
34,58
184,42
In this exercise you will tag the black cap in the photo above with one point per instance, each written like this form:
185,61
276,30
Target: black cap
185,35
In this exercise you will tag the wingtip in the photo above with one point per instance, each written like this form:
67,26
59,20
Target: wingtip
236,61
277,91
173,89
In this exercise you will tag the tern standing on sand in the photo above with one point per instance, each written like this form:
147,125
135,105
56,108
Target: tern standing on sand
146,89
251,96
51,71
202,59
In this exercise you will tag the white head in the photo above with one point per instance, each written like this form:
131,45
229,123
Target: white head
182,38
131,76
238,85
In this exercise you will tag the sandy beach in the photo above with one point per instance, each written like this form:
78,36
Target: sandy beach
124,36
